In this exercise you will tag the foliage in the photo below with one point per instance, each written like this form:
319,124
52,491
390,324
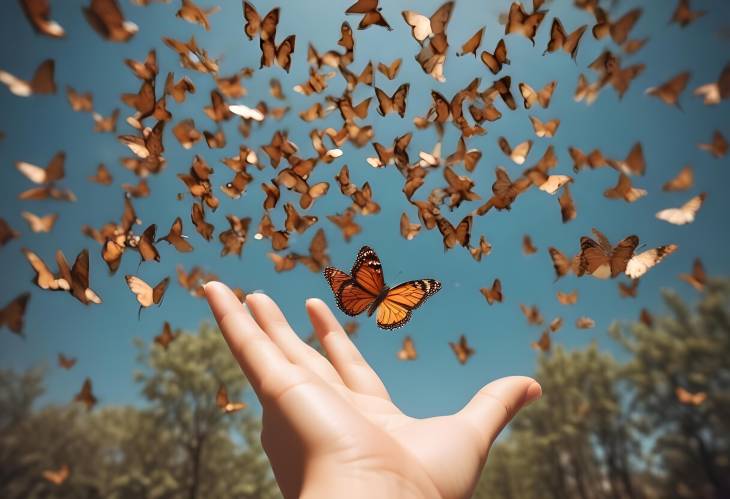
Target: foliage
179,445
618,431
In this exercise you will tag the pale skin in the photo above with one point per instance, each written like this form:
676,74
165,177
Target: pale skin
330,428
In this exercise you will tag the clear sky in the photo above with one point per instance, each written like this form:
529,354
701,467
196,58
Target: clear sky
101,336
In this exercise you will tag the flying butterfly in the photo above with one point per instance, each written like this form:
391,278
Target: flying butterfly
364,289
462,350
223,402
494,294
147,295
684,214
12,314
86,395
408,350
57,477
698,277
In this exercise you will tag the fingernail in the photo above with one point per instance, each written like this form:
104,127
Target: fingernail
534,392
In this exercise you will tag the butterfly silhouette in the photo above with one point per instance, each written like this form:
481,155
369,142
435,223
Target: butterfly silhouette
365,289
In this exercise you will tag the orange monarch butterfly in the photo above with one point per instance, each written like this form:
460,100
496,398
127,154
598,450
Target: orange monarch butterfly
365,290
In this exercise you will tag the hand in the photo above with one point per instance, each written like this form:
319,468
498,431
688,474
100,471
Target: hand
330,429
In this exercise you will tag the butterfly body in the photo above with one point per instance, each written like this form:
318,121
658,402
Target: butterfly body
364,290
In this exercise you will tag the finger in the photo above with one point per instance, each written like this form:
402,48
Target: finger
262,362
497,403
272,321
344,355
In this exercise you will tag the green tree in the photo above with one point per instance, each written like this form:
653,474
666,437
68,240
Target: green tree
687,350
179,445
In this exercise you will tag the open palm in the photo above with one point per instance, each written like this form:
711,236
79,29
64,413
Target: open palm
329,426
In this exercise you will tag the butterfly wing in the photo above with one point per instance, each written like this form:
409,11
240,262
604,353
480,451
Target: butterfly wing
396,308
351,298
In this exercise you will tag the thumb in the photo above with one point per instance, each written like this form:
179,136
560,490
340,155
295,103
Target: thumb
497,403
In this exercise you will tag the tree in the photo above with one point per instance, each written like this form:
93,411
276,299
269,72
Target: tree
179,445
684,351
621,431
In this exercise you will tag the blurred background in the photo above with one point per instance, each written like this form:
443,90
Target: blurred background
632,408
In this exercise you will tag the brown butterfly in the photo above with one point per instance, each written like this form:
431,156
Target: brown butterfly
620,29
12,314
624,190
601,259
472,44
283,263
670,91
542,96
519,21
408,350
469,157
7,233
86,395
585,323
107,19
718,147
147,295
266,229
37,223
254,23
80,102
482,249
57,477
191,56
38,13
167,336
54,170
176,238
45,278
646,318
567,298
235,237
192,13
317,259
594,159
390,71
528,248
395,103
494,61
684,15
559,39
371,14
224,403
105,124
567,206
41,83
281,54
408,230
494,294
634,164
544,129
698,277
544,343
102,177
145,70
688,398
66,362
716,91
628,290
681,182
561,263
532,314
462,350
519,153
345,221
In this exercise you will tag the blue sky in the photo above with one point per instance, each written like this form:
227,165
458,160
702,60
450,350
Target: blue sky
101,336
